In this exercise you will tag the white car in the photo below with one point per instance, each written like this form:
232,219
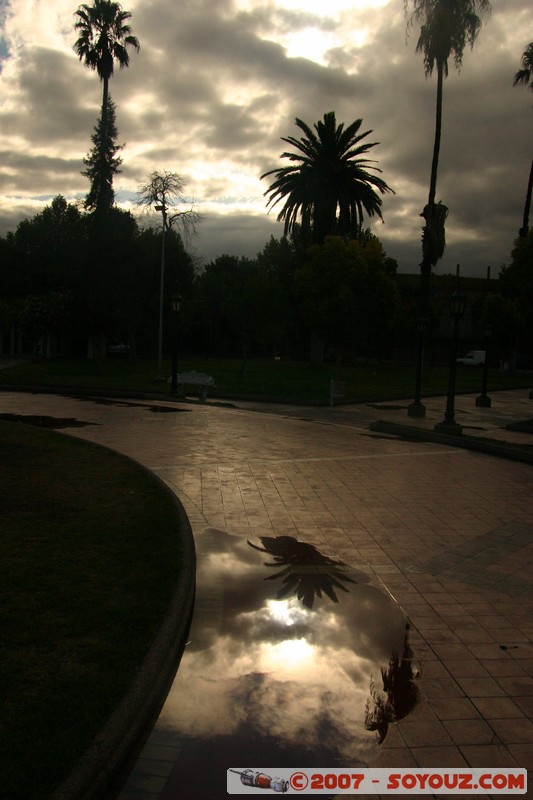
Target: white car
475,358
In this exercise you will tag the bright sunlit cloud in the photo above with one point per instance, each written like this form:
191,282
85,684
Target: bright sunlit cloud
288,655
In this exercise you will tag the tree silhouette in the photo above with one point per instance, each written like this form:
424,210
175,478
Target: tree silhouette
102,163
328,185
399,692
104,38
306,572
523,77
446,27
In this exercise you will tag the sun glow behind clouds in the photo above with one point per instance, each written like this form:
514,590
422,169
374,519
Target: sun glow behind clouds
313,41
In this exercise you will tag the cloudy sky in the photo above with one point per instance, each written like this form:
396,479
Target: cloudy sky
218,82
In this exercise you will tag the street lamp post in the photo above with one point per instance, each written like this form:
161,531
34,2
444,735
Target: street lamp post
484,401
457,309
160,376
417,408
176,303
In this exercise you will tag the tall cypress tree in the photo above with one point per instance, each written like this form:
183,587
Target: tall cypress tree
102,162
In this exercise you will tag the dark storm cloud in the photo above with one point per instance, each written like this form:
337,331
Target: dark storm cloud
48,109
36,174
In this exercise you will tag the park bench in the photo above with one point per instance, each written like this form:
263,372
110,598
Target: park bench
199,380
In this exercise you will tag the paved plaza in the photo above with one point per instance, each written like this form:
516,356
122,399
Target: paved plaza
446,531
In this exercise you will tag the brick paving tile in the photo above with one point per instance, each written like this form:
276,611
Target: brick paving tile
465,668
498,707
443,688
513,731
489,755
418,733
475,633
452,652
523,753
517,686
395,757
455,708
507,667
446,756
525,704
480,687
469,731
525,663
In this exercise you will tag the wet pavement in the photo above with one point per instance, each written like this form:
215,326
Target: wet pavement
444,533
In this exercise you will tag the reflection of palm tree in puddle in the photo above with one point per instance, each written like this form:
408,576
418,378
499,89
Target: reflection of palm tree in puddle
399,692
307,572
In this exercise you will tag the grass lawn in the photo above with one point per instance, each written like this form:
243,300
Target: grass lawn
88,560
265,379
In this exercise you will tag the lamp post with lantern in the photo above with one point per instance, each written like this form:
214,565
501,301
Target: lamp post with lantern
457,309
163,209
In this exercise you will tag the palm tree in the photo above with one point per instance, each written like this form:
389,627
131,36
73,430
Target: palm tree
328,186
104,38
524,76
446,27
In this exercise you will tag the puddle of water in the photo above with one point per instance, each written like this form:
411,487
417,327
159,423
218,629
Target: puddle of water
294,660
42,421
103,401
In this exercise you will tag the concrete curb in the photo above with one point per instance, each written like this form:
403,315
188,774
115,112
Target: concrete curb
479,444
99,768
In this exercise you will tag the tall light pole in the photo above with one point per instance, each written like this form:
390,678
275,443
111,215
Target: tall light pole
163,209
176,304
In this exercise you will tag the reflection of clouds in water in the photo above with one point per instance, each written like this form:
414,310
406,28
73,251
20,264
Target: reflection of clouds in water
294,699
278,688
262,666
364,616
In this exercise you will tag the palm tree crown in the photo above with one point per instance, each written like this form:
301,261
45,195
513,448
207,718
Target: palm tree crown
524,75
104,38
328,185
446,27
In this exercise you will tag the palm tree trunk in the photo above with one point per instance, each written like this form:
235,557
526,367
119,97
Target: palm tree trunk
525,223
426,263
438,130
417,408
105,98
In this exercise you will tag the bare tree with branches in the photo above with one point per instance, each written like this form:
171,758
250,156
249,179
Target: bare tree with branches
163,192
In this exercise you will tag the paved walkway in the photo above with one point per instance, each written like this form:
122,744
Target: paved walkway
448,532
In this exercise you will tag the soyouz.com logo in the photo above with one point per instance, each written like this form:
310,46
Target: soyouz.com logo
241,780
